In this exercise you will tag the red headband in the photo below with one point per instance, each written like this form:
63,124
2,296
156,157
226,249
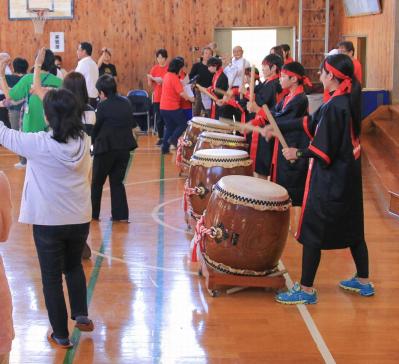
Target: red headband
346,85
305,79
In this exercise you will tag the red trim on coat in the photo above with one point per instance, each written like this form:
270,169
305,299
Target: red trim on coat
305,124
305,197
320,153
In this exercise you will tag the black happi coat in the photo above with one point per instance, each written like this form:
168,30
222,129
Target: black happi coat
332,211
292,176
266,93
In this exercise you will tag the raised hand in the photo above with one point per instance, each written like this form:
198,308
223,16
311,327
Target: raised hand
40,56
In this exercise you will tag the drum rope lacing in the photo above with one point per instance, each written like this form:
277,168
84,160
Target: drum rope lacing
189,191
225,162
200,232
252,202
223,268
179,153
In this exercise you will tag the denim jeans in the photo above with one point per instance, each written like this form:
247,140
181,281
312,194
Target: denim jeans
175,124
59,249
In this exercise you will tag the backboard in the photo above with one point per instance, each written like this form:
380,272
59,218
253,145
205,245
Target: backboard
59,9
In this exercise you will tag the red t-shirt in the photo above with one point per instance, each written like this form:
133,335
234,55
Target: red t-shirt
357,70
171,90
158,71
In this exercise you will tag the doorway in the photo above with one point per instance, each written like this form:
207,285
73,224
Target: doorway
256,42
360,44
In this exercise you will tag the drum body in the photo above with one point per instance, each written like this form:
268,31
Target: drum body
251,220
212,140
194,129
207,167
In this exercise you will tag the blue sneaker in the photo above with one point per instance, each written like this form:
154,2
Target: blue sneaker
296,296
366,289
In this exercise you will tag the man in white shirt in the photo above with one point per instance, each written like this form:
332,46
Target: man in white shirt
235,71
88,68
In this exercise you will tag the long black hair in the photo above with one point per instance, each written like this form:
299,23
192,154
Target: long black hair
76,83
61,110
48,63
344,64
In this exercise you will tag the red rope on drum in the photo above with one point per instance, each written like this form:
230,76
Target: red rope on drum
179,153
200,232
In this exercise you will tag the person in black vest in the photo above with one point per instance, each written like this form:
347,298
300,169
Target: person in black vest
204,79
113,141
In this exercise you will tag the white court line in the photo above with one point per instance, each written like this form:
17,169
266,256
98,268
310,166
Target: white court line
148,181
307,318
143,266
310,324
155,216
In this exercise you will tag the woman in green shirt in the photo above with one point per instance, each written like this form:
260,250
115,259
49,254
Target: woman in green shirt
33,119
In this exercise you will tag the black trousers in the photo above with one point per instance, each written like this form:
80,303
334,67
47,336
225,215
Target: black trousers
59,249
311,260
111,164
159,119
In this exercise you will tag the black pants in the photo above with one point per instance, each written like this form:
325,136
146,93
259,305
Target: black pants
311,259
59,249
111,164
159,119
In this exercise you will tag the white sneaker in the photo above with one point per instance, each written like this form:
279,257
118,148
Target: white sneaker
172,147
19,165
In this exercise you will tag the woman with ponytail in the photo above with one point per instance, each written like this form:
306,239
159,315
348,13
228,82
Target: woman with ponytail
332,209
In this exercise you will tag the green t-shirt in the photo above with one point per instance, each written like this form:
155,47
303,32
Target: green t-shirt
33,119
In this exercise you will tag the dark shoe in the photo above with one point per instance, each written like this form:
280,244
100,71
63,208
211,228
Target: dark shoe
86,252
59,343
87,327
159,142
126,221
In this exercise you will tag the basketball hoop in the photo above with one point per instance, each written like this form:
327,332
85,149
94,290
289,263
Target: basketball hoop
39,17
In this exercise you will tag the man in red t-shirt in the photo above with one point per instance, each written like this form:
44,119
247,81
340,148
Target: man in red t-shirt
347,48
155,78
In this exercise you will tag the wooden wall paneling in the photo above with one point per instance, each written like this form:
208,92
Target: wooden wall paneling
135,29
379,30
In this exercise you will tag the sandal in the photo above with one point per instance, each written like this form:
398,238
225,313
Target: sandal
59,343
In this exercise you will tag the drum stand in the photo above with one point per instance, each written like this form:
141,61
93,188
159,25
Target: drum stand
215,279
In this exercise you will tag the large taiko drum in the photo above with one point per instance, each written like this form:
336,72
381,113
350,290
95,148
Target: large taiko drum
187,142
212,140
247,221
207,167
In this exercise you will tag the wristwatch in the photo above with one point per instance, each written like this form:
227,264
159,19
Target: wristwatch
299,153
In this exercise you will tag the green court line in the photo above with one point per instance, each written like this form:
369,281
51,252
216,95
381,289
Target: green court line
70,354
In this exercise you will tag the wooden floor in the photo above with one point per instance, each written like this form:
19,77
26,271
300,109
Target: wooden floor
150,306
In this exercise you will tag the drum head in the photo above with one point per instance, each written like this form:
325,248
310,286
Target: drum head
209,124
254,192
217,154
222,137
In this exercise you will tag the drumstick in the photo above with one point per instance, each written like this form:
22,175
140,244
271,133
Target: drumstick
206,92
252,85
242,126
276,129
242,80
